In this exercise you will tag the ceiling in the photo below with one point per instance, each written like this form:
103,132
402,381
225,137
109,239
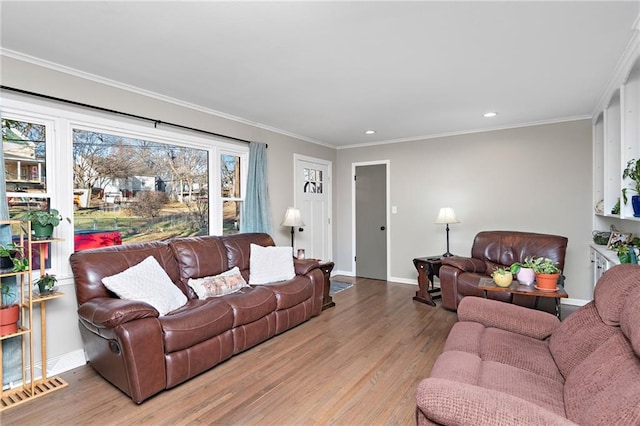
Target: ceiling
328,71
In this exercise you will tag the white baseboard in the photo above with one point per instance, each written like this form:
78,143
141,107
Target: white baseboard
574,302
55,366
345,273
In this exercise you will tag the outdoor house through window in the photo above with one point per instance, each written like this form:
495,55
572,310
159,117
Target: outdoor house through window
135,190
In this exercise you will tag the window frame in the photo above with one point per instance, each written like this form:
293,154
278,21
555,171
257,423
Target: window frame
61,120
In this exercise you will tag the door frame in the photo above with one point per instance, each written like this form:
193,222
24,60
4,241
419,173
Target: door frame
328,192
387,164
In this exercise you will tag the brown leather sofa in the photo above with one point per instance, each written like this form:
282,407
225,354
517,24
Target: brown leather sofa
460,276
142,353
507,365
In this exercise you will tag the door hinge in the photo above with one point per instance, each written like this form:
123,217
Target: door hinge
354,177
354,258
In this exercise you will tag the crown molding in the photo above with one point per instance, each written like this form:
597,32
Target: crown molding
150,94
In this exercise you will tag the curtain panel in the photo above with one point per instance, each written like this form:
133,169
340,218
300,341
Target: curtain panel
257,213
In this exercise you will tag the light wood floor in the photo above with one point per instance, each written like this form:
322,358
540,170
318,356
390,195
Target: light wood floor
358,363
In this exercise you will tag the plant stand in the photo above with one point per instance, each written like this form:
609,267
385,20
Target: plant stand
30,388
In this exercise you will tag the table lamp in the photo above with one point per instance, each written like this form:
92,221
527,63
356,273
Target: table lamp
447,216
292,218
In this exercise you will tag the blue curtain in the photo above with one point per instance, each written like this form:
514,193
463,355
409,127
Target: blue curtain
11,348
257,214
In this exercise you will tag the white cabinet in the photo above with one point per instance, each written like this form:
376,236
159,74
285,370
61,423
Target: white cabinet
601,260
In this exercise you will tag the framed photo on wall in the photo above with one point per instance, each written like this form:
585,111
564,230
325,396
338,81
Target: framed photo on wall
618,238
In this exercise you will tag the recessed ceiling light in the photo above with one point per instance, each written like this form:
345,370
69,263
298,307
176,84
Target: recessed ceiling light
490,114
369,132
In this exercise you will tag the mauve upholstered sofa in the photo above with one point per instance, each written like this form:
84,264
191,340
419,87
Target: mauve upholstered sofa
143,353
504,364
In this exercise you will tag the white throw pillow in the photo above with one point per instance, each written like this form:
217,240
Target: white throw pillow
218,285
270,264
147,282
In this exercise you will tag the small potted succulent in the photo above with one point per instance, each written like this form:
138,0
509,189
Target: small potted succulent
502,277
46,283
43,222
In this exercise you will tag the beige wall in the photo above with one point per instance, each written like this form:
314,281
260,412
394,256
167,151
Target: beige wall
534,178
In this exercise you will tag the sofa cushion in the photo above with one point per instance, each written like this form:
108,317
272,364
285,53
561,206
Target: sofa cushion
199,256
196,322
292,292
218,285
495,345
603,389
250,304
239,249
577,337
147,282
630,320
612,290
270,264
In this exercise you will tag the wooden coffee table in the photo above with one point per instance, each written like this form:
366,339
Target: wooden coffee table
487,285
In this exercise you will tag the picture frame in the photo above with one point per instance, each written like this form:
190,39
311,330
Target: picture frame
618,238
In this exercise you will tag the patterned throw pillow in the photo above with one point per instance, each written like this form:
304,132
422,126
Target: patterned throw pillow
218,285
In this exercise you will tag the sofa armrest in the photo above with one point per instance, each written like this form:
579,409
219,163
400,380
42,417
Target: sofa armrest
509,317
108,312
465,264
448,402
304,266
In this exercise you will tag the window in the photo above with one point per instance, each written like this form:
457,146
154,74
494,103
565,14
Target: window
230,192
24,146
137,190
122,182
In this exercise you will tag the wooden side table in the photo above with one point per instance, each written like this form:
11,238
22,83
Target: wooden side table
427,268
327,300
487,284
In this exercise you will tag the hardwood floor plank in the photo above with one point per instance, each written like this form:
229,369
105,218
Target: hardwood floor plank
358,363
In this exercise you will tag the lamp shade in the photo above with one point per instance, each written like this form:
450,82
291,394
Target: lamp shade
292,217
447,215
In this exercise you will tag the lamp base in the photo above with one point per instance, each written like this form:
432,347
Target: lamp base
447,254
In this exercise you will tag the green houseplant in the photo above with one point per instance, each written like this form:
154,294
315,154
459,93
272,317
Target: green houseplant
547,273
502,277
43,222
9,312
524,271
45,283
12,256
632,171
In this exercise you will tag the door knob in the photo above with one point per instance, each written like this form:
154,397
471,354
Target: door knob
382,228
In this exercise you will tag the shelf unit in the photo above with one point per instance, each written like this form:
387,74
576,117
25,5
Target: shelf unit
30,387
616,141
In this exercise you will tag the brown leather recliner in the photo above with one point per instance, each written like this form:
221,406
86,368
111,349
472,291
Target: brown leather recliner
460,276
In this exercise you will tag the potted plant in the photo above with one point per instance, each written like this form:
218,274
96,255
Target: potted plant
524,271
46,282
632,171
502,277
43,222
12,257
9,312
547,274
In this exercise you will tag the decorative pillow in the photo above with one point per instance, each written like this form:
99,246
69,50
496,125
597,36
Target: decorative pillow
218,285
270,264
147,282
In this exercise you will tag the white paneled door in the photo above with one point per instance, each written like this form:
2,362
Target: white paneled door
313,198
